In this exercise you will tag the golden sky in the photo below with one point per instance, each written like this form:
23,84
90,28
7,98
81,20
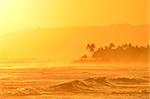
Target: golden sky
24,14
21,15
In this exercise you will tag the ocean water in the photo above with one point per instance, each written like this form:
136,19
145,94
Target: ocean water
74,81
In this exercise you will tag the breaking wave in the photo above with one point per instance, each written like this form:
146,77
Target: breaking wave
88,85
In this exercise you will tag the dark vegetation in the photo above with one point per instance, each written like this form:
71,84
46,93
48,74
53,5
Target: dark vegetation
126,53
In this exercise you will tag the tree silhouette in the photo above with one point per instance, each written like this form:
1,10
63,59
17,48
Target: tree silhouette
84,57
91,49
121,53
111,45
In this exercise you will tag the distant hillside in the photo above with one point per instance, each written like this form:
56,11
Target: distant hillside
68,42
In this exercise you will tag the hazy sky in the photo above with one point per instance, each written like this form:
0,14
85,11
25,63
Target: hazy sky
24,14
27,14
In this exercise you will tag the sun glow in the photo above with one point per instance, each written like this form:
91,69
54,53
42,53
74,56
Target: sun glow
6,5
6,10
20,15
24,14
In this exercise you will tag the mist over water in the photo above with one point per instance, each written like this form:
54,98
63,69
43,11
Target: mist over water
74,49
45,78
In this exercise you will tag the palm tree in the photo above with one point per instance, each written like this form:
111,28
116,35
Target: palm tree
130,45
148,46
90,48
111,45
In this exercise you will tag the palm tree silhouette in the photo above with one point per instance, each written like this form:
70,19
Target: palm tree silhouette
91,49
111,45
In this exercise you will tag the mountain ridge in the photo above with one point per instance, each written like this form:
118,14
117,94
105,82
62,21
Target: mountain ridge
47,42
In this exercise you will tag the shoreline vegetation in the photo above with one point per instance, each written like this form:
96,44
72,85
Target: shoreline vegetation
111,54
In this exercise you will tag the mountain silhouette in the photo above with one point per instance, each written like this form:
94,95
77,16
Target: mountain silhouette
69,41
